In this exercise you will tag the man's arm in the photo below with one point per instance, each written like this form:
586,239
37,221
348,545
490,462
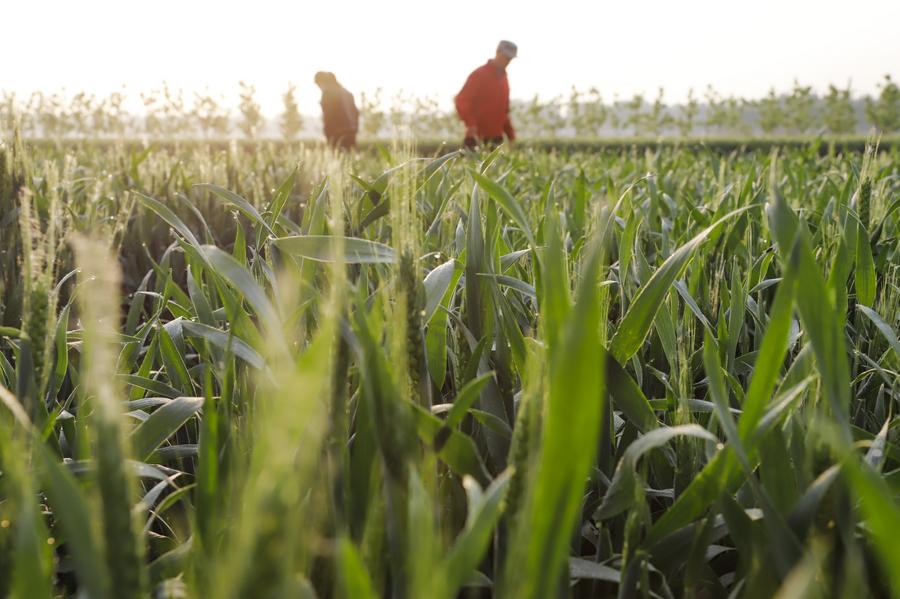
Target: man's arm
464,101
507,123
508,129
327,117
352,112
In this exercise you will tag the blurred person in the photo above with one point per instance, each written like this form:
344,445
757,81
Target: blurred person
340,118
483,102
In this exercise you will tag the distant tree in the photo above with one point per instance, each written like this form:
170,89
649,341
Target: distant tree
442,122
152,114
525,115
50,115
884,113
210,116
726,115
574,111
291,121
81,109
615,120
734,108
530,118
175,119
596,111
421,121
428,120
397,113
590,113
372,113
252,119
118,119
740,108
800,108
658,118
771,113
716,116
100,118
635,116
9,112
28,115
552,118
16,114
837,111
688,114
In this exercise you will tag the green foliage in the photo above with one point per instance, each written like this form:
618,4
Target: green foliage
635,117
771,112
688,114
800,109
252,119
586,112
838,113
652,371
291,120
582,114
723,114
884,111
371,114
210,116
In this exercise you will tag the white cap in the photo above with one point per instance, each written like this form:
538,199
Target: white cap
508,48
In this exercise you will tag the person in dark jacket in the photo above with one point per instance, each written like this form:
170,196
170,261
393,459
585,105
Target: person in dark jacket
483,102
340,118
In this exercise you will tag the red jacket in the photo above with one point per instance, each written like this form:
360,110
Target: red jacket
339,114
483,102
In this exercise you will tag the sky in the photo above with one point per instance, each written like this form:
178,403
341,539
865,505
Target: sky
741,47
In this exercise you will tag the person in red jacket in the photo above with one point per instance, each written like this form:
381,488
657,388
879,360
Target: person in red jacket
483,102
340,118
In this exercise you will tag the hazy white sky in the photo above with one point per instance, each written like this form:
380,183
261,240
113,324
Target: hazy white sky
742,47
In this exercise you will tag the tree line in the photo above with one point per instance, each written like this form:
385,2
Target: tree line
167,113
